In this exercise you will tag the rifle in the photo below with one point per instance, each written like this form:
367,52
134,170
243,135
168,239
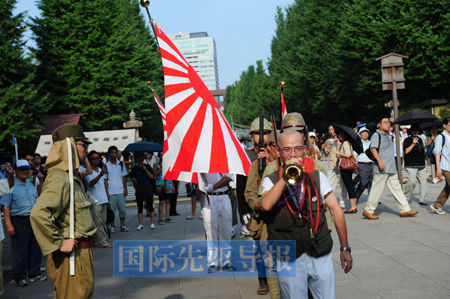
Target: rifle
261,161
274,129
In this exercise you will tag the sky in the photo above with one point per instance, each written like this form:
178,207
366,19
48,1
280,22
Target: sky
242,30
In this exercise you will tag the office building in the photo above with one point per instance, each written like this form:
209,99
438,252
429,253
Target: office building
199,49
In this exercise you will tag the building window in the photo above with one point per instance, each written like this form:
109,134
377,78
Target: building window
47,142
95,139
106,139
124,137
116,138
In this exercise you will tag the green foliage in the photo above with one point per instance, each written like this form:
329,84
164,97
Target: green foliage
21,108
95,57
253,91
325,51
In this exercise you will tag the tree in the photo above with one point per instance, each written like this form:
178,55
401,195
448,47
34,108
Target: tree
253,91
95,57
20,106
325,52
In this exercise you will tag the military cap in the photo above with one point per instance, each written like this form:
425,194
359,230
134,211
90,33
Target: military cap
254,127
69,130
272,136
293,121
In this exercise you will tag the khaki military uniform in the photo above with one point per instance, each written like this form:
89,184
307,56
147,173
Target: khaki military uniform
50,220
257,226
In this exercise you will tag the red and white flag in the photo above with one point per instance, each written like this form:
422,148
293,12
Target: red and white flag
198,135
167,173
283,106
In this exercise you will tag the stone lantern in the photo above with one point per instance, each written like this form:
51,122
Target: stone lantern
133,123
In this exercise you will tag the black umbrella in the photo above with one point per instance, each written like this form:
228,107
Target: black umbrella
430,124
143,146
351,136
415,117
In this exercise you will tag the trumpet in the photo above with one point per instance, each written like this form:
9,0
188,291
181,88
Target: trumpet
293,173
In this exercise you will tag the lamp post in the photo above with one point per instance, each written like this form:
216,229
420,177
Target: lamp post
393,79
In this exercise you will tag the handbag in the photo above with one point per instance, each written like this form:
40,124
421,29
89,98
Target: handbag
349,163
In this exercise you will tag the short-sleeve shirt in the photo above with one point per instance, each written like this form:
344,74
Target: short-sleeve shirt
212,178
115,175
144,186
385,151
22,198
98,191
416,157
443,151
325,186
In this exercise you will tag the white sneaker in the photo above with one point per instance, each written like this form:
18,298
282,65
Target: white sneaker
123,228
437,210
139,227
113,229
435,181
152,226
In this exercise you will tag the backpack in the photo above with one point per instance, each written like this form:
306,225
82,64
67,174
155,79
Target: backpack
368,152
430,150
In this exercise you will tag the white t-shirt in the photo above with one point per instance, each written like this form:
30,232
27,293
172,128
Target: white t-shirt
98,191
212,178
325,186
115,175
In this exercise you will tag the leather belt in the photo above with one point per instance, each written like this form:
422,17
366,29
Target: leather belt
218,193
86,242
368,163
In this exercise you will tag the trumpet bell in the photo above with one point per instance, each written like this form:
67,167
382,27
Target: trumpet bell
293,174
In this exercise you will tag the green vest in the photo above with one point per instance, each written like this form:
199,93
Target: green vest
283,225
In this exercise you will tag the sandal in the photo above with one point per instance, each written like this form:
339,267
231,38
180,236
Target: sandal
355,210
262,290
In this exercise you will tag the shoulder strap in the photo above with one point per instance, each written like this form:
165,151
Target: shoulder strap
316,178
379,142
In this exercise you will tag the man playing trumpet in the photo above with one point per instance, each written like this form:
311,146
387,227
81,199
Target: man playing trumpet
297,212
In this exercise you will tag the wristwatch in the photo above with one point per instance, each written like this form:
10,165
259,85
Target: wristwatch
349,249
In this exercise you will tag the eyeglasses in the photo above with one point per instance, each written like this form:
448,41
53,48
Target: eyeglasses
288,150
85,145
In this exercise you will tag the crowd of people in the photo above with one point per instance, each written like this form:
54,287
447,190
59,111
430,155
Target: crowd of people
103,181
266,203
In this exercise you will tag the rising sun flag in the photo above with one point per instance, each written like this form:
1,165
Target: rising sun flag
167,173
199,138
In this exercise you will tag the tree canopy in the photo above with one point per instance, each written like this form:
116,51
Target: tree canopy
325,51
21,107
95,57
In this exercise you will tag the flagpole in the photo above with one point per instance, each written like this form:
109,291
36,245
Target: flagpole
283,103
15,147
71,207
145,4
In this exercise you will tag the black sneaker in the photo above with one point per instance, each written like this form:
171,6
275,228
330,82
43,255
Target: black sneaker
161,222
40,277
168,220
22,283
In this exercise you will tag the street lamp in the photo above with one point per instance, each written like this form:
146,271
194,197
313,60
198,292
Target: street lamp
392,79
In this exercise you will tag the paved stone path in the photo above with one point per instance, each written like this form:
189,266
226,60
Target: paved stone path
393,258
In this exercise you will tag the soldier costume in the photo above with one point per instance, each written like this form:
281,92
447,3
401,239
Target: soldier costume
247,189
50,219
